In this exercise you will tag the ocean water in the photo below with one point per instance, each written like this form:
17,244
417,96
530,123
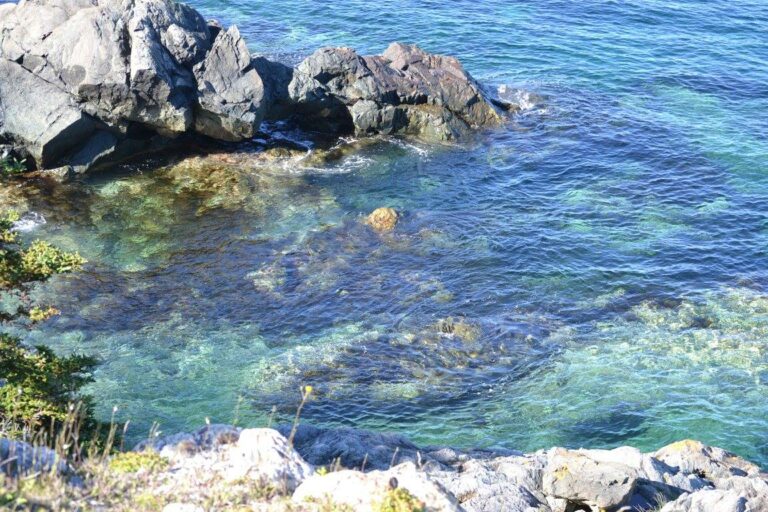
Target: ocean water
594,274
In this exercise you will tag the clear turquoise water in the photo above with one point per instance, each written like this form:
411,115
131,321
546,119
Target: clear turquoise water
609,246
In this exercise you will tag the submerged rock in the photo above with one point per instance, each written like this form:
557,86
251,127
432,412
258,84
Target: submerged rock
383,219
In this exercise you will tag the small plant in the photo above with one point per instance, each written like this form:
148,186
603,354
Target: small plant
400,500
10,166
37,387
133,462
306,393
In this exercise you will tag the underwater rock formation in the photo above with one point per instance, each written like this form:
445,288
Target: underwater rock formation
122,77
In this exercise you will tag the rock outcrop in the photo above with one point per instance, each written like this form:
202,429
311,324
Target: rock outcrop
404,91
123,76
358,469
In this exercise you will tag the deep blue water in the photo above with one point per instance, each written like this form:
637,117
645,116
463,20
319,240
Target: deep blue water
605,253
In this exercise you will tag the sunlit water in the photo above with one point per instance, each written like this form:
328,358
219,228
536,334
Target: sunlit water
602,260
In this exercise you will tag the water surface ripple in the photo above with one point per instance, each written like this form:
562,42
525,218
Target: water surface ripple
594,275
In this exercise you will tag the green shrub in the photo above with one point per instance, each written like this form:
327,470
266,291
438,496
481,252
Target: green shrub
37,387
400,500
10,166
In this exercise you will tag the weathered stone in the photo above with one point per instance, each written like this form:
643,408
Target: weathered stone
261,454
708,462
264,455
230,90
579,479
365,492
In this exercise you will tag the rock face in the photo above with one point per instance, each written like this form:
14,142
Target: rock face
404,91
260,454
119,75
683,477
117,70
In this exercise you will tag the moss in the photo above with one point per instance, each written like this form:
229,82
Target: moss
133,462
400,500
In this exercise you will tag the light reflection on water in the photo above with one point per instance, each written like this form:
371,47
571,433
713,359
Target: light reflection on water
602,260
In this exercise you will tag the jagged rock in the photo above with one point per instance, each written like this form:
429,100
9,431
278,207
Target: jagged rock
365,492
231,93
579,479
403,91
134,69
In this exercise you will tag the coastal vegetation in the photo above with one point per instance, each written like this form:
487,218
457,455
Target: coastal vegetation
40,390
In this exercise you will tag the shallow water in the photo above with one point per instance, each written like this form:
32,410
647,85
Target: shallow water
593,275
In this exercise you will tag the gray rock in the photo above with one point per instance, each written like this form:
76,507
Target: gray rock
19,458
259,454
404,91
264,455
575,477
131,70
231,93
47,129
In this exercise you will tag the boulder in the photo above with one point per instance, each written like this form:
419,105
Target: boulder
405,485
47,130
231,94
581,480
118,75
262,455
404,91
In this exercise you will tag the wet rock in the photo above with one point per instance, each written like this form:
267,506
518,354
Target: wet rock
581,480
383,219
404,91
367,491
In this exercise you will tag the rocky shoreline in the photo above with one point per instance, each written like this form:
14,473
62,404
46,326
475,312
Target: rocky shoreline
127,77
310,468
